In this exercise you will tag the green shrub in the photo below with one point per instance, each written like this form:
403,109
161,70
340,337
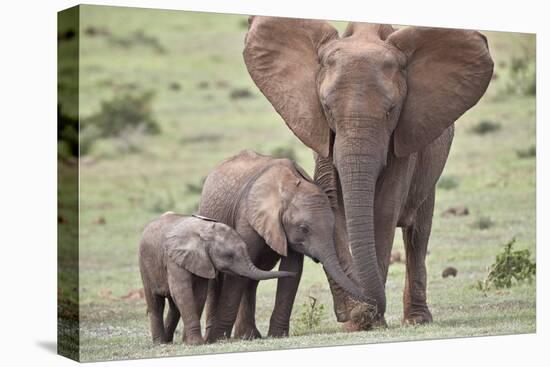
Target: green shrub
447,182
530,152
485,127
123,113
310,317
127,118
522,75
511,267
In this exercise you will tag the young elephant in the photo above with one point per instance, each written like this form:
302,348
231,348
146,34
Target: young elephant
280,214
177,257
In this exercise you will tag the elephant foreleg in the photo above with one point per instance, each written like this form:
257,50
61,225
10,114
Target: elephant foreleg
245,326
213,294
200,290
227,308
181,289
286,293
416,236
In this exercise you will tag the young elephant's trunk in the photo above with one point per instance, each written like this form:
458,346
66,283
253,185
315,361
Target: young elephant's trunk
252,272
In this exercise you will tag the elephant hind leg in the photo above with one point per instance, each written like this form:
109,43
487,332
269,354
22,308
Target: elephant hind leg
155,309
415,237
279,324
172,319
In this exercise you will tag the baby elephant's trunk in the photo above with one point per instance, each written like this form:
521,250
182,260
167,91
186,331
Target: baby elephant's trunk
252,272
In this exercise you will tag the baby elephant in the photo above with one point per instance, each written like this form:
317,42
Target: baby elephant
177,256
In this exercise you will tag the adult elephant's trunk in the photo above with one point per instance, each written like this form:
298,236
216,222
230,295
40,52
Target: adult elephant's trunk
249,270
358,173
334,269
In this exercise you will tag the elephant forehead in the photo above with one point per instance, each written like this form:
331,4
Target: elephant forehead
311,200
370,54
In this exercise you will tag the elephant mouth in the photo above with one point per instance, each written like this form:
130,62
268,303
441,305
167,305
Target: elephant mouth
300,248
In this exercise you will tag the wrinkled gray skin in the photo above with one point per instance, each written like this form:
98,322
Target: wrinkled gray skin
377,106
177,257
280,214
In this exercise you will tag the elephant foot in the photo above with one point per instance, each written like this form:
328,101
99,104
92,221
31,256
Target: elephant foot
247,333
193,340
161,340
278,332
419,317
214,336
364,317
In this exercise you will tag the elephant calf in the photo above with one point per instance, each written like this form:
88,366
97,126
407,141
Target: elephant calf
177,257
281,215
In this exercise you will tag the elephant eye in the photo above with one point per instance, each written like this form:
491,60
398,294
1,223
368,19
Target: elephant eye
390,111
304,229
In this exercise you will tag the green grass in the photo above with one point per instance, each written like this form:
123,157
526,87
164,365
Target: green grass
203,55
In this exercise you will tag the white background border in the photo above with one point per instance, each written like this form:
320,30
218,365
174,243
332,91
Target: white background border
28,181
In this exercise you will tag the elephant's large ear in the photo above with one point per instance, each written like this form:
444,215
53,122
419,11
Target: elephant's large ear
281,55
448,71
264,207
189,249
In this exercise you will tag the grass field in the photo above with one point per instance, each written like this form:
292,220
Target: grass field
208,109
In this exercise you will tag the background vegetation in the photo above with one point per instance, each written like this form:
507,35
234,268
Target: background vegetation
183,101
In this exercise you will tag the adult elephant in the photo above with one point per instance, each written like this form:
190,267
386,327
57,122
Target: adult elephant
378,107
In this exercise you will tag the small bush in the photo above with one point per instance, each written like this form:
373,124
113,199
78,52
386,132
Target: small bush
485,127
530,152
284,152
448,183
511,267
124,113
127,118
522,75
310,316
483,223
